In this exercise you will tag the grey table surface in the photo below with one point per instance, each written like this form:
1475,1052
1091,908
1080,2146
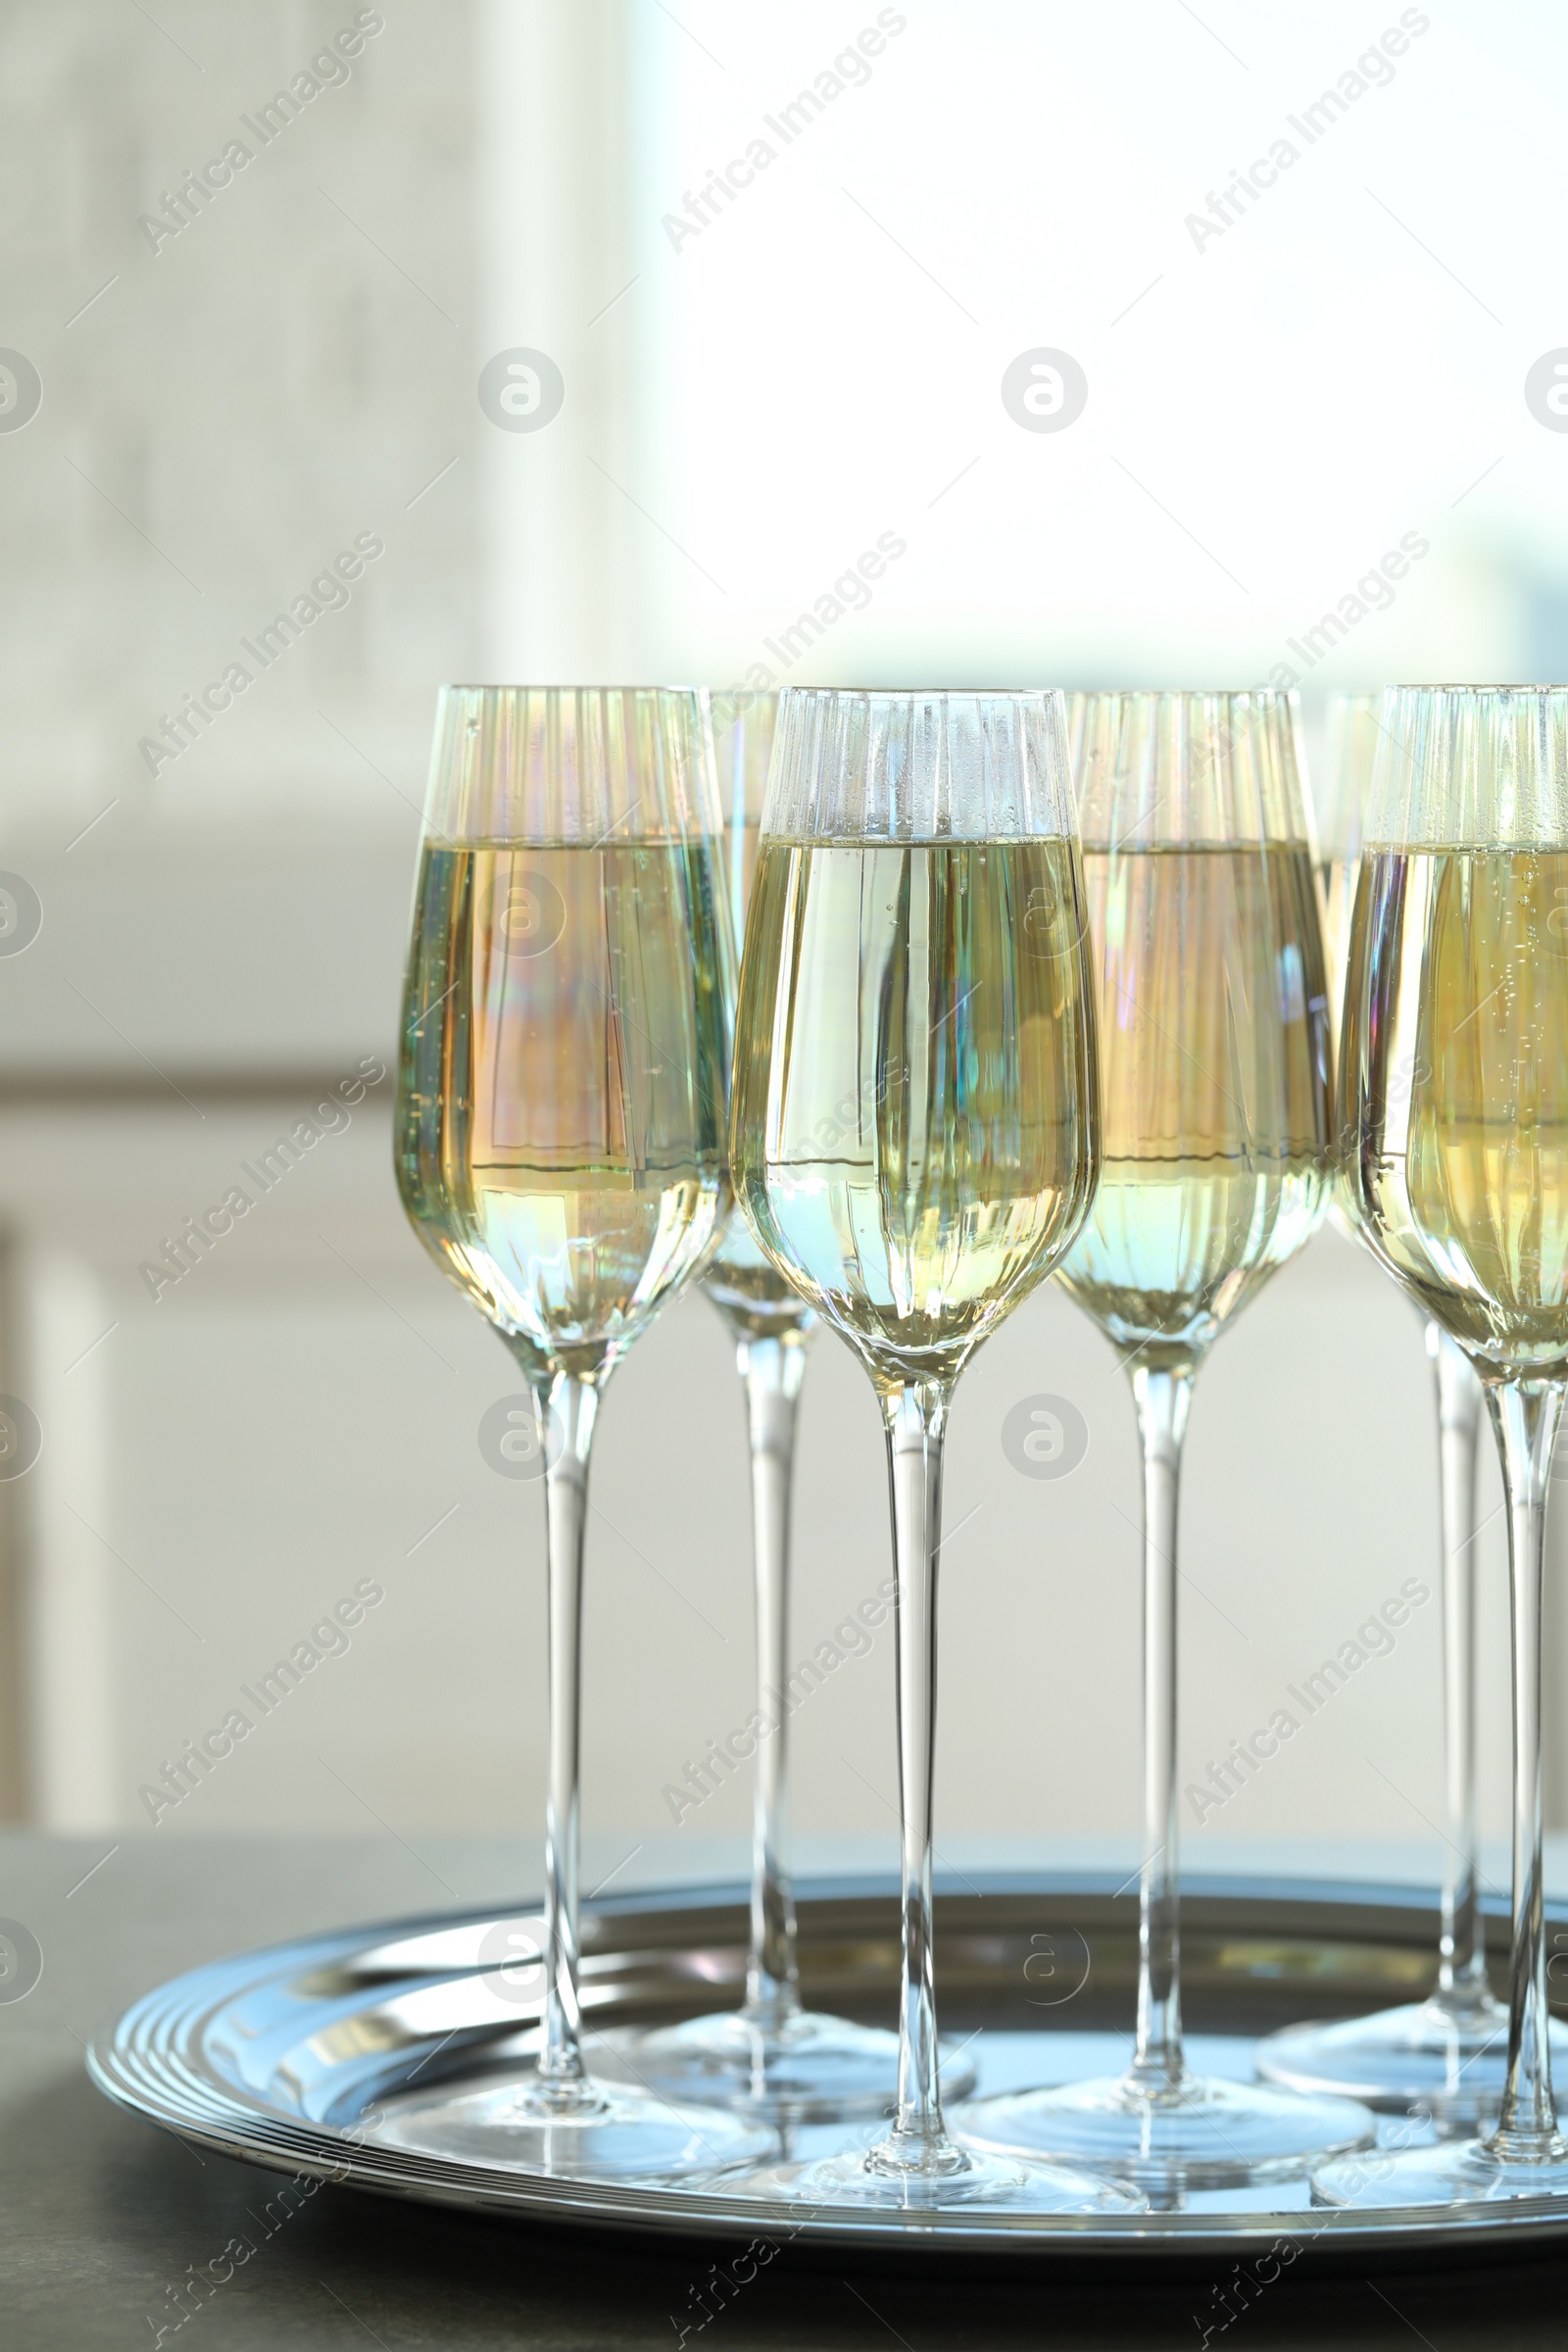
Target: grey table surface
100,2214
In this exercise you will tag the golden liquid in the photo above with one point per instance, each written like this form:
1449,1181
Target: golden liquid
1454,1093
560,1143
914,1127
1336,882
741,842
749,1290
1336,904
1216,1151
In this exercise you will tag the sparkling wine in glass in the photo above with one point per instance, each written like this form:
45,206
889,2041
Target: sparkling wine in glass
1453,1104
562,1153
913,1135
1448,2052
774,2054
1215,1168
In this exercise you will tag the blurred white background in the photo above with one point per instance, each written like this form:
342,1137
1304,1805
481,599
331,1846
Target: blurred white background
752,398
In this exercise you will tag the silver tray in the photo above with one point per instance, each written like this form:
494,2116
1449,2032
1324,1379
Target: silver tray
292,2057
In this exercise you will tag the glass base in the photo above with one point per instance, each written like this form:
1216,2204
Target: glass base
813,2070
1209,2134
614,2135
1452,2172
1452,2063
856,2177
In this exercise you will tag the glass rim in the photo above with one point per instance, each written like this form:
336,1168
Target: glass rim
920,764
517,763
512,686
1194,694
910,694
1541,686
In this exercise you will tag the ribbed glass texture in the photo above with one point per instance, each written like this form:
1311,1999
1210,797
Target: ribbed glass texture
1189,770
1471,767
920,768
572,764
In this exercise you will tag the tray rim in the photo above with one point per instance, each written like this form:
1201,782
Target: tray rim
257,2133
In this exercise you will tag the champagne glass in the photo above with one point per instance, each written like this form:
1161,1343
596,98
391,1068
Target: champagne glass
913,1135
777,2057
561,1153
1454,1106
1216,1165
1450,2051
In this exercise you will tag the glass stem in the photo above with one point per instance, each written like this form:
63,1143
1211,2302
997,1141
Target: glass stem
915,1416
565,1412
1462,1987
1162,1399
1525,1415
772,1370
